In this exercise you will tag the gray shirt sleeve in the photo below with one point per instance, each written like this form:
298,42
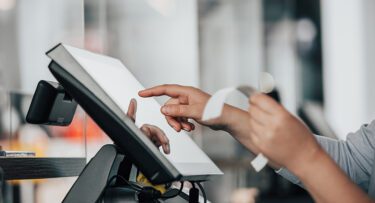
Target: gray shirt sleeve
355,155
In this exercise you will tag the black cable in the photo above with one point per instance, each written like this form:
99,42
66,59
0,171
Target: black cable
175,195
192,183
140,189
134,186
203,192
193,194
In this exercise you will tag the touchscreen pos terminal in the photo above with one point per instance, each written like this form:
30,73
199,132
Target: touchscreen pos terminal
103,87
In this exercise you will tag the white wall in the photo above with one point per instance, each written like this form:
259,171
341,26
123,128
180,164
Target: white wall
41,24
231,45
369,11
156,39
281,62
231,54
348,64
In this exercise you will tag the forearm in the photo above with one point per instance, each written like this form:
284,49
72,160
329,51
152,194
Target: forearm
321,177
353,156
326,181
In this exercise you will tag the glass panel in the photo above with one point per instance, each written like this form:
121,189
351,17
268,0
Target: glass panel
28,28
155,39
44,140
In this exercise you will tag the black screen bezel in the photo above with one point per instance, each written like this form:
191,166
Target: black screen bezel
124,134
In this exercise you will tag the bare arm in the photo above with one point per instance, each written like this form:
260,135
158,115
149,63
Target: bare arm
327,182
355,155
287,141
270,129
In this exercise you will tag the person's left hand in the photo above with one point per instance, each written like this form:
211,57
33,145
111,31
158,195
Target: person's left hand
279,135
155,134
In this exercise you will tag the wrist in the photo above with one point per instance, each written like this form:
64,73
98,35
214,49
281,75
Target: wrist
305,165
231,119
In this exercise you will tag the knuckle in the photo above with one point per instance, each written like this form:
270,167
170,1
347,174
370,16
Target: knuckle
251,123
194,89
165,141
255,98
180,110
143,126
281,121
274,127
170,101
155,127
166,86
252,112
280,118
285,118
270,134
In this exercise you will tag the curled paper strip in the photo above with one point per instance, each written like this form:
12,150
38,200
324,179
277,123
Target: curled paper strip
215,104
214,108
259,162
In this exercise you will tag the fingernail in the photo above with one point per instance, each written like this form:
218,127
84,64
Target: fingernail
167,149
177,128
164,110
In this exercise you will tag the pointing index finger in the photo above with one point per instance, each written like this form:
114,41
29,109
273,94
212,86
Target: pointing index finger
169,90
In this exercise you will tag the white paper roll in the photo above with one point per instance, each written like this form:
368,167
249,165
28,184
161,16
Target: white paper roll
215,104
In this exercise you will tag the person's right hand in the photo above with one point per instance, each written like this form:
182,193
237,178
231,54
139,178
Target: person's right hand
280,136
185,103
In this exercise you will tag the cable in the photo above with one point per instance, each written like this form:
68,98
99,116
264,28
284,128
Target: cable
133,185
175,195
193,194
203,192
142,190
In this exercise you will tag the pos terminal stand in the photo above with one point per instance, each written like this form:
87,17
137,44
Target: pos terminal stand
106,177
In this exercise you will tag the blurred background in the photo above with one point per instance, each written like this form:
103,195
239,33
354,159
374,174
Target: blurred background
319,52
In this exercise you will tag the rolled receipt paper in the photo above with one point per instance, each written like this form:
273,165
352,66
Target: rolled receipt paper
215,104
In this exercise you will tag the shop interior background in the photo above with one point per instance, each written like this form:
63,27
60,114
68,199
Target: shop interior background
319,52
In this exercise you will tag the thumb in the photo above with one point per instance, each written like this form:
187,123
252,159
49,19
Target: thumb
178,110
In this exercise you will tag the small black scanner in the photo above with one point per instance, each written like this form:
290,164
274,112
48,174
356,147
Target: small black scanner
51,105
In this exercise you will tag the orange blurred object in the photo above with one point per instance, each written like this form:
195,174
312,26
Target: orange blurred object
76,130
